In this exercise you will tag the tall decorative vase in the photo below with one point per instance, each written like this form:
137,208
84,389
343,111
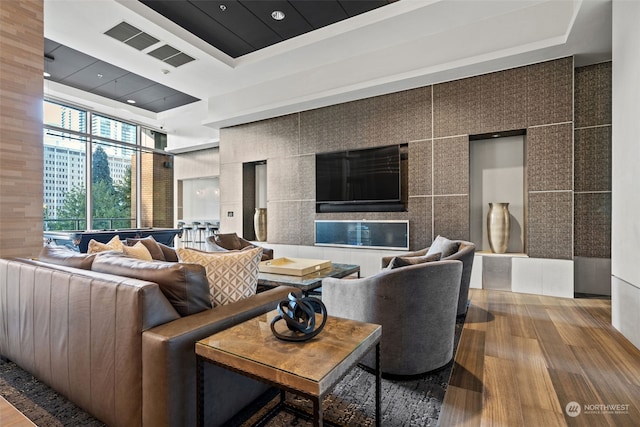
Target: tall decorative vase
498,224
260,224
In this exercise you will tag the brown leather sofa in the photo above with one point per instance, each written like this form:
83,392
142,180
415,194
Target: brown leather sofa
116,346
233,242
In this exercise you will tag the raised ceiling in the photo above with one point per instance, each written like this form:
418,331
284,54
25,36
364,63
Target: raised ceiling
402,45
81,71
239,27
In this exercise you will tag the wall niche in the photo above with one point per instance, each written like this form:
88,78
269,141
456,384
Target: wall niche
497,174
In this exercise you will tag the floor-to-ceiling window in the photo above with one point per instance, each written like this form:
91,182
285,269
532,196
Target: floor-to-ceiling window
92,167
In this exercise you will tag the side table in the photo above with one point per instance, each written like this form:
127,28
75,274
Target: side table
310,369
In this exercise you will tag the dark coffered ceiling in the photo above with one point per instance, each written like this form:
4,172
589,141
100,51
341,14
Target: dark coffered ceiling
239,27
76,69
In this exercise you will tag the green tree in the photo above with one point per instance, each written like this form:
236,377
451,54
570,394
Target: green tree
101,171
108,201
74,207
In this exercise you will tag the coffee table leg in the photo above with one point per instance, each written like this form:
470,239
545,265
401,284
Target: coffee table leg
317,411
199,391
378,384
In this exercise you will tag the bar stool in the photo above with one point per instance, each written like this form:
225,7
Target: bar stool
211,229
187,231
198,229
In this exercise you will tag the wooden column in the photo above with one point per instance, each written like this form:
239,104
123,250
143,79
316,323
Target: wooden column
21,152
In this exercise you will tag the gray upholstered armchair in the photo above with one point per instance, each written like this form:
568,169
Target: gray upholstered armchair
416,306
465,253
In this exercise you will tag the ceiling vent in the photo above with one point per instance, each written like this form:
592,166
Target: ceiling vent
140,40
171,55
132,36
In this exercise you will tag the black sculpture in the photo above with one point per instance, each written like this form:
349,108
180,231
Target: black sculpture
300,315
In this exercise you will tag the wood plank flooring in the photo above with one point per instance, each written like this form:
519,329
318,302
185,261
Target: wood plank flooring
11,417
522,359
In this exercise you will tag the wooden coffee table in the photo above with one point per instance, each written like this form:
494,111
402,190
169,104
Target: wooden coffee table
310,369
309,282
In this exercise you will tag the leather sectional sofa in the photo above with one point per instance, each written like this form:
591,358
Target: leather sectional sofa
115,345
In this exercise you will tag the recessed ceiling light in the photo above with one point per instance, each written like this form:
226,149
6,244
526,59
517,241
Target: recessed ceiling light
46,74
223,7
131,101
278,15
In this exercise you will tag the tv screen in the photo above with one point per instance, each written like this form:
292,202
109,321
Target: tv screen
359,176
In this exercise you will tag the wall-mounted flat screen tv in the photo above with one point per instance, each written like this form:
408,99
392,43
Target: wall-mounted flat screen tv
359,176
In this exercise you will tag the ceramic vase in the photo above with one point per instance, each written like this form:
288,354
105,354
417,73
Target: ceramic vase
498,224
260,224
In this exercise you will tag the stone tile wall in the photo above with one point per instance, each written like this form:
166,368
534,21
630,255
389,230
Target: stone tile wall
435,122
592,152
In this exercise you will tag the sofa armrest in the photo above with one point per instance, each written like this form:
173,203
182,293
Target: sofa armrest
169,365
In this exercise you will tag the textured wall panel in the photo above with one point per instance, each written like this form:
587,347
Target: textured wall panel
420,168
291,178
420,222
550,157
593,225
231,182
451,217
261,140
550,226
550,92
503,98
593,95
592,159
451,165
419,113
307,225
370,122
455,106
538,95
284,222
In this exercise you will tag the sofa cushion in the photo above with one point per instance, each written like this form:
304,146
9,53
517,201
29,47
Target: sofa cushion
61,255
169,253
152,246
139,250
443,245
229,241
184,285
232,275
113,245
399,261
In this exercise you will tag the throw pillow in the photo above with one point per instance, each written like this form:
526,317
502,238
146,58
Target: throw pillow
228,241
61,255
184,285
169,253
139,251
232,276
112,245
152,246
398,261
443,245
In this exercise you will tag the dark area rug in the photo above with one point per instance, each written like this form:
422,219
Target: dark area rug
39,402
414,402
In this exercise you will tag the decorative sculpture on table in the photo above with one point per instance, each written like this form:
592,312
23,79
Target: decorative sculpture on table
300,316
